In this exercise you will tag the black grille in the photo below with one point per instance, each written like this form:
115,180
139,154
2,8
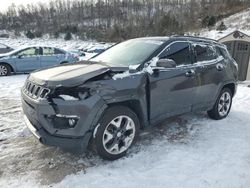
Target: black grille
35,91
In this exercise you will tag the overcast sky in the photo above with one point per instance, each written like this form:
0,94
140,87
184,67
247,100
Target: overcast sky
6,3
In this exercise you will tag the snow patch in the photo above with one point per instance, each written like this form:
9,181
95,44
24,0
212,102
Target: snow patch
95,131
218,59
68,98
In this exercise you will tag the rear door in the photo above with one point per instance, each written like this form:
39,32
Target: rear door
27,60
209,67
172,90
51,56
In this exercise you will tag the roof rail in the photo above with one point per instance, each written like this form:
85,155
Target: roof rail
195,37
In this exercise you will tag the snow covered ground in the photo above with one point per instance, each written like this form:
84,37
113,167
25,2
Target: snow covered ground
187,151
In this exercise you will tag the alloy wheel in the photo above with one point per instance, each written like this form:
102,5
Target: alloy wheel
224,104
3,70
119,135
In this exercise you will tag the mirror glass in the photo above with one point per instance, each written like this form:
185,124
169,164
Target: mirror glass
166,63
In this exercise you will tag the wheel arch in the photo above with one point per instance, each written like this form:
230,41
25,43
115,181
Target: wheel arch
231,86
136,106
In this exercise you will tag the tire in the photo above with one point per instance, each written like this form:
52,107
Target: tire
116,132
5,70
222,106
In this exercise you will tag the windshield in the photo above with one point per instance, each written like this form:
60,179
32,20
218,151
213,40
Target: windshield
131,52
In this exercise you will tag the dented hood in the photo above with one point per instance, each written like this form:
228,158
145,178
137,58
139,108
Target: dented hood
67,75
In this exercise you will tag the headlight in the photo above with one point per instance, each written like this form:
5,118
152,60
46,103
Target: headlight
75,94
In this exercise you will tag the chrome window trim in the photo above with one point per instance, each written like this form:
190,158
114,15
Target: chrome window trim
193,65
179,66
170,45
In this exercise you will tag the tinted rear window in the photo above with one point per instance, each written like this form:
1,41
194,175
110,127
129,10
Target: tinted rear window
204,52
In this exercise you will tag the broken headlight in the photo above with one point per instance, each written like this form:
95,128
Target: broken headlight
72,94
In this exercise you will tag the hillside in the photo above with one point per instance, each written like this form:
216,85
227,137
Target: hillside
239,21
116,20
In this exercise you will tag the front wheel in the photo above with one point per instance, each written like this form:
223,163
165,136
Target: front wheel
222,106
4,70
116,131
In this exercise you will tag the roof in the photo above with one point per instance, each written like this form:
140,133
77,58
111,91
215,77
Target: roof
156,38
165,38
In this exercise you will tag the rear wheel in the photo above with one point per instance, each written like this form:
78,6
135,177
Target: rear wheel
4,70
222,106
117,130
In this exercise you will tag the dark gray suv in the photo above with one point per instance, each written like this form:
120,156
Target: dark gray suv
140,82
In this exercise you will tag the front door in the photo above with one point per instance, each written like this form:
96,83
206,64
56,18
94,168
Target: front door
172,90
28,60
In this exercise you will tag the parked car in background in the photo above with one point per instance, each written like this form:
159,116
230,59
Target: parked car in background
31,58
96,50
91,52
137,83
5,49
77,53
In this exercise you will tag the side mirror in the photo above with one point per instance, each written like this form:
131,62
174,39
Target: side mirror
166,63
20,56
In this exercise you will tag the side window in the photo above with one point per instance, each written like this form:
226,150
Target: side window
48,51
204,52
179,52
29,52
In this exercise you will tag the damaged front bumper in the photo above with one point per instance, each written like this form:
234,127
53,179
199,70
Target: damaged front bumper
71,144
66,124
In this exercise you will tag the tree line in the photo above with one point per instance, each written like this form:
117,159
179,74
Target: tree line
115,20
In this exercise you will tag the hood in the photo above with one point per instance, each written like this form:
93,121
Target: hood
67,75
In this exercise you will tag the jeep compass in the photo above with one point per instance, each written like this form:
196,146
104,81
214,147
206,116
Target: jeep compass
106,100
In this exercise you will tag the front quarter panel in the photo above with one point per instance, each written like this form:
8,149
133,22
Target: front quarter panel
128,89
88,110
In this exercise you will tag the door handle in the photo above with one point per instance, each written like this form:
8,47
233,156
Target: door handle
190,73
220,67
